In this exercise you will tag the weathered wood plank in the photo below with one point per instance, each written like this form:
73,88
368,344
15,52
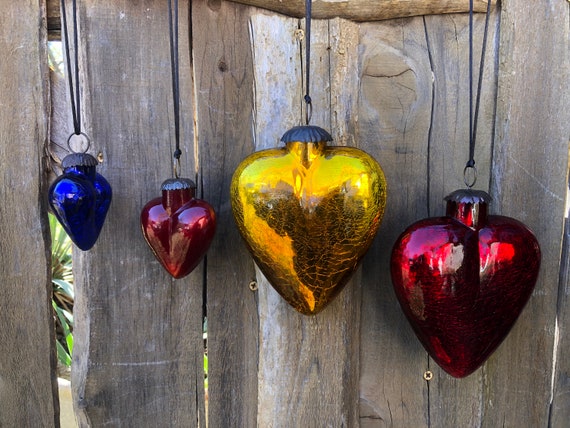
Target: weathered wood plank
53,17
448,39
357,10
560,405
224,87
457,402
308,366
28,384
395,108
138,358
530,164
366,10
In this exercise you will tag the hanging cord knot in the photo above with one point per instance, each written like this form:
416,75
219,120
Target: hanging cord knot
470,174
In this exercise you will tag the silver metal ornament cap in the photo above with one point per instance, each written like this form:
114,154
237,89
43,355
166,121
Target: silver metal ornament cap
469,196
177,184
469,207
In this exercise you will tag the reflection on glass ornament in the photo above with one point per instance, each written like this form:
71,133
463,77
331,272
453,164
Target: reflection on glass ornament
308,213
80,199
178,227
462,280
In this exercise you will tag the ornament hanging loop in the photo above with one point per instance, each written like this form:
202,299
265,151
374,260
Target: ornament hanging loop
470,175
82,139
176,167
308,109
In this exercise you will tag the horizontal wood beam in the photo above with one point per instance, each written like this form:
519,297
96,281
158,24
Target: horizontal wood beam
355,10
53,18
367,10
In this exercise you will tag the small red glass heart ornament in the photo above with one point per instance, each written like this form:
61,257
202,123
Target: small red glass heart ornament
178,227
462,280
308,213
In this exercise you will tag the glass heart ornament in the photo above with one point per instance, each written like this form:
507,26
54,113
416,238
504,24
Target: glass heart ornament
80,199
463,279
308,212
178,227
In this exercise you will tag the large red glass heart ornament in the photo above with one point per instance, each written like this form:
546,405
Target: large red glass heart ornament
178,227
308,213
462,280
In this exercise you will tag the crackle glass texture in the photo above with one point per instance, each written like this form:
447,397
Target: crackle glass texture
308,213
462,281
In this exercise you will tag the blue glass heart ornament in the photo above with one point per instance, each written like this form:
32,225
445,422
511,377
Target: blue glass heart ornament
80,199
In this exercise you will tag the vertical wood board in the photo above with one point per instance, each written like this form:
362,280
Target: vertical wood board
28,385
138,357
224,93
453,401
530,164
308,365
395,104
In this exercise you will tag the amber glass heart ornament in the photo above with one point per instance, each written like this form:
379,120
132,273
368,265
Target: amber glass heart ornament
308,212
80,199
462,280
178,227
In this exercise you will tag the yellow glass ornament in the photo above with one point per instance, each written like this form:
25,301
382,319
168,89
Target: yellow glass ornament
308,213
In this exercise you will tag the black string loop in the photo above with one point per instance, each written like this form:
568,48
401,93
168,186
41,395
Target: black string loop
173,36
81,141
74,93
307,97
473,115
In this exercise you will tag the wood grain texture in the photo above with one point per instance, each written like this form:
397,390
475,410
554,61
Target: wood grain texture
138,357
224,88
395,108
308,365
530,164
560,405
356,10
366,10
53,18
456,402
28,384
397,89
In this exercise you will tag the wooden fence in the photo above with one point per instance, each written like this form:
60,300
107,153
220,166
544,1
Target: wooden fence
396,88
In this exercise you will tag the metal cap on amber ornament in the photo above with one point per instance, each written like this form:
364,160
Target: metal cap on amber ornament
306,134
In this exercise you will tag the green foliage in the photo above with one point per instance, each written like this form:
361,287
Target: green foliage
62,283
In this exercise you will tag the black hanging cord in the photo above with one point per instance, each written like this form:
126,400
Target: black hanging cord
307,98
473,115
173,32
471,161
74,93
